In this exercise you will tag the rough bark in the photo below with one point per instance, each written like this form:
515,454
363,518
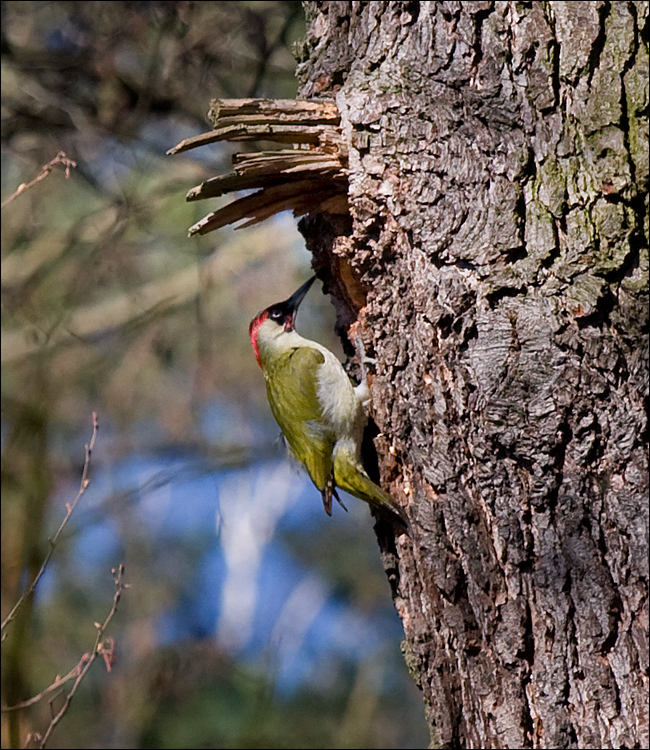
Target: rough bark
498,160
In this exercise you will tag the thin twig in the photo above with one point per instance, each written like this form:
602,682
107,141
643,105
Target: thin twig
69,509
60,158
103,648
58,682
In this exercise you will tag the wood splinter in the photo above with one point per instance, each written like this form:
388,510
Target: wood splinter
310,178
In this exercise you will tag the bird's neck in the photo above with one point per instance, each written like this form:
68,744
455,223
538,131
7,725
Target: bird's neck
272,342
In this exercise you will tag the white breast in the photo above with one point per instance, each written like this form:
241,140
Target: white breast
341,407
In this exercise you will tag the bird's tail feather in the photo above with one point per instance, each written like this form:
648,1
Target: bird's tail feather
350,476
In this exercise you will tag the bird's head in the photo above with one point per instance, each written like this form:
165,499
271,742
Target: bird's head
277,319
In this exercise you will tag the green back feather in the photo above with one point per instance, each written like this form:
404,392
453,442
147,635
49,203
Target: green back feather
292,389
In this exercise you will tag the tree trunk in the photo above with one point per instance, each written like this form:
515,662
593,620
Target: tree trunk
498,156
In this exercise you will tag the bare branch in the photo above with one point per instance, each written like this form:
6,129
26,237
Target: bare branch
53,541
104,648
60,158
58,682
32,737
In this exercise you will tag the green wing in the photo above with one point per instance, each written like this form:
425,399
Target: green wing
292,389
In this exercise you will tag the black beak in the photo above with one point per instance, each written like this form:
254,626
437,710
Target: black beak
292,304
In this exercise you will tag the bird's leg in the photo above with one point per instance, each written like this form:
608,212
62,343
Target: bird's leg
362,390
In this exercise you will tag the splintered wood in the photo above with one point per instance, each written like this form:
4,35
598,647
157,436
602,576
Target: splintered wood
312,177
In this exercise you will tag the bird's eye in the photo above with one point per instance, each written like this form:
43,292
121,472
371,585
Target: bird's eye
276,315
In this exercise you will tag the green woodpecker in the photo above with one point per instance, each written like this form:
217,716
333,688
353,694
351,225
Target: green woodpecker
319,411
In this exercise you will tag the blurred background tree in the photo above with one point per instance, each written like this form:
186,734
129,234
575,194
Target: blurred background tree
241,628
